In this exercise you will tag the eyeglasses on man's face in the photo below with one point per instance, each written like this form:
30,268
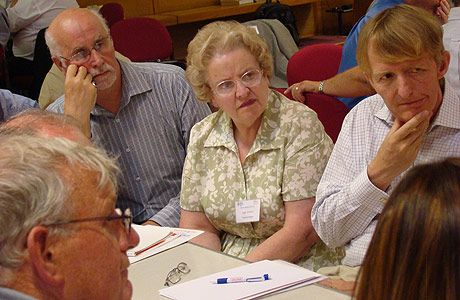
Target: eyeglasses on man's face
82,55
174,276
249,79
126,219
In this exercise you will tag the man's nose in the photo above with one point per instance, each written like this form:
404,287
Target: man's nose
130,240
405,87
95,58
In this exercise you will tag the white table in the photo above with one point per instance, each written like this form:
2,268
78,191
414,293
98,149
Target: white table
148,275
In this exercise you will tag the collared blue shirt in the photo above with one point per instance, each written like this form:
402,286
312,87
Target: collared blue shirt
9,294
11,104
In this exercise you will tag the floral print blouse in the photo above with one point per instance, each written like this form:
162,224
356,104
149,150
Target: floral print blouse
285,163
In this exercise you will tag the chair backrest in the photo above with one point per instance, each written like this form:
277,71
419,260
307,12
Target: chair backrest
112,13
142,39
320,62
42,63
316,62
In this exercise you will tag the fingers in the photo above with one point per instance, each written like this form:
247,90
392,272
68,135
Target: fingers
442,11
297,92
415,126
81,72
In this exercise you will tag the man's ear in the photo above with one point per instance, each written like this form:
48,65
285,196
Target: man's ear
369,80
444,65
42,254
58,62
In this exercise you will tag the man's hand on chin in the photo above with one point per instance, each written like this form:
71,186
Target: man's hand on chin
80,96
398,150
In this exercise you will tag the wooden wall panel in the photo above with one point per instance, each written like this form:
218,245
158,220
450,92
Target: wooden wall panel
163,6
132,8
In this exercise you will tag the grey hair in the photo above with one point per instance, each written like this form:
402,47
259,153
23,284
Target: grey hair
54,47
34,190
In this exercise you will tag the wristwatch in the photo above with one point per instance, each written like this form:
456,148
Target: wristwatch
321,86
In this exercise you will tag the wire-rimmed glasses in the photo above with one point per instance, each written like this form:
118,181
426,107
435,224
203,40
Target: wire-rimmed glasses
174,276
249,79
83,54
126,217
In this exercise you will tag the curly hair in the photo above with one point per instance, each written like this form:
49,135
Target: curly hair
222,37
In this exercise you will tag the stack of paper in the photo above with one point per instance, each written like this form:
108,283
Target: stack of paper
283,276
155,239
150,236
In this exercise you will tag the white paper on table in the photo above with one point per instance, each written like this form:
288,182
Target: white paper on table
283,277
149,236
178,236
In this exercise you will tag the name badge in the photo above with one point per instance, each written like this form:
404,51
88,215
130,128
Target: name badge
247,211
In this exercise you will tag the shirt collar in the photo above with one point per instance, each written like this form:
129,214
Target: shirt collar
222,132
447,115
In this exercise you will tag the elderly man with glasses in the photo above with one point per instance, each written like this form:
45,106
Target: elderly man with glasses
47,219
142,113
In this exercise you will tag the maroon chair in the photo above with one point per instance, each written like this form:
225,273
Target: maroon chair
112,13
142,39
319,62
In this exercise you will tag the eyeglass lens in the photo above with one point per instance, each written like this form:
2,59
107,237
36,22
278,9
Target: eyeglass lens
248,79
174,276
126,220
84,54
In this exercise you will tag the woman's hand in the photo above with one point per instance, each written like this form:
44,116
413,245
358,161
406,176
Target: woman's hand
292,241
210,238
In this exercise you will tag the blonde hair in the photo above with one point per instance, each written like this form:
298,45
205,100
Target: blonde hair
398,34
221,37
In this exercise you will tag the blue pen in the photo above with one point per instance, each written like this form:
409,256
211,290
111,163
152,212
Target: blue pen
242,279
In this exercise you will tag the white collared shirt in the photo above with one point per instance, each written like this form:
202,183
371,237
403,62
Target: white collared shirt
451,39
28,17
347,203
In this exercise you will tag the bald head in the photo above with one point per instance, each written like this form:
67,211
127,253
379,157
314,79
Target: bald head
47,124
72,21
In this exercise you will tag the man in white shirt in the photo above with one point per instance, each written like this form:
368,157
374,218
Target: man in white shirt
413,119
452,43
26,19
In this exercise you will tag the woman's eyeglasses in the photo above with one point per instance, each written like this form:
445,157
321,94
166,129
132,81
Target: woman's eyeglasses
249,79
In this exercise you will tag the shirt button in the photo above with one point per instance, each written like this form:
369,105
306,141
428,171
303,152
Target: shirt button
128,150
117,120
138,179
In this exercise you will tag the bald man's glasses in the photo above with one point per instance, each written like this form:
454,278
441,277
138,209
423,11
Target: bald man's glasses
83,55
126,217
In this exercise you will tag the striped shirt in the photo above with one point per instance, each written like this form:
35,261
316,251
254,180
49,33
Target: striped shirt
347,203
149,136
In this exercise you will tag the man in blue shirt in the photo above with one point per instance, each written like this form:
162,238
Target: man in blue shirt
349,85
11,104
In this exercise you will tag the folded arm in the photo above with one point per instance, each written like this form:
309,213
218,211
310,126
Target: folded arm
210,238
292,241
